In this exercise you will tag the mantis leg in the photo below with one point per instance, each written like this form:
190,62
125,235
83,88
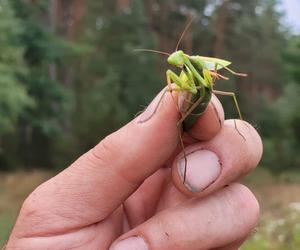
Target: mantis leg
181,84
229,70
215,76
191,109
232,94
160,100
233,72
172,77
180,130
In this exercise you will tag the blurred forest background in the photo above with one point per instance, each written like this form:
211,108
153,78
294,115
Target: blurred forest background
69,76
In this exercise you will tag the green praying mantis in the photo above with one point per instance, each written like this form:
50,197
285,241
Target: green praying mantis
197,79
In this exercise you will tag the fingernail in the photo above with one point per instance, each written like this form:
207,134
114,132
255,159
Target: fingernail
132,243
202,169
151,110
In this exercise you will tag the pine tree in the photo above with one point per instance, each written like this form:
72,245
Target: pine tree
44,54
13,94
253,41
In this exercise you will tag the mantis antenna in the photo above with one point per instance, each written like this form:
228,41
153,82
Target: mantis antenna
183,32
152,50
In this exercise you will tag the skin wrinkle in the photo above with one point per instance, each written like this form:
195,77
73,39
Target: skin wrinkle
111,146
30,212
91,240
57,232
104,151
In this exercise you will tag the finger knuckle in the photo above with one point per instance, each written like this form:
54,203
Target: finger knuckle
105,151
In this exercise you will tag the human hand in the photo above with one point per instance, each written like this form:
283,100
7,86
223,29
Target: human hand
124,193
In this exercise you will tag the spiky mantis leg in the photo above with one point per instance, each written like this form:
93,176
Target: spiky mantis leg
171,77
232,94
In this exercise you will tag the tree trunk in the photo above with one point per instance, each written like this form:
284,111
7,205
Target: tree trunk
52,24
122,4
220,29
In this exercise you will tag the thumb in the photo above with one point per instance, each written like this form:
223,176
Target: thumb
100,180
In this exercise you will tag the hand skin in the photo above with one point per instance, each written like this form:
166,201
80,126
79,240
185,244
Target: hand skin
128,193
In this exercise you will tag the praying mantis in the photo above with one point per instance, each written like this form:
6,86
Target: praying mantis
196,79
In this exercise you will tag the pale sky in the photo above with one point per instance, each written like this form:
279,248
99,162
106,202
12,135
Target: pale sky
292,10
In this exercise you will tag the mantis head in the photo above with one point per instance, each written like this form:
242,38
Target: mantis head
176,58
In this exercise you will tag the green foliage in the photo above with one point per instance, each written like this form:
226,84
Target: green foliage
7,221
46,55
292,59
280,119
63,93
281,122
253,41
277,234
13,95
115,82
43,53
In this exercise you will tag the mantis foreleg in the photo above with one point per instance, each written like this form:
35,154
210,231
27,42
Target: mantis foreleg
173,78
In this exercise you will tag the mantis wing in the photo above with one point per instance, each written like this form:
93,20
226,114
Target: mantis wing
211,62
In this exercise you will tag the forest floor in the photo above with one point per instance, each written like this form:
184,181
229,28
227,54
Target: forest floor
279,197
